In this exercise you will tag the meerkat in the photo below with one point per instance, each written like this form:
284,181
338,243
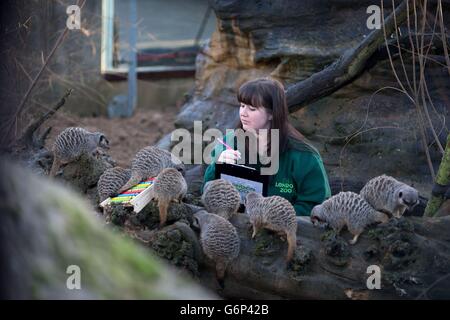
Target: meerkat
346,209
221,197
219,240
274,213
111,180
148,163
169,186
72,142
389,195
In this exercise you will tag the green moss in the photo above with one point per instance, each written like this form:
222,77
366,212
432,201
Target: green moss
302,258
336,249
263,242
442,178
58,229
396,247
433,206
119,214
117,259
329,234
171,245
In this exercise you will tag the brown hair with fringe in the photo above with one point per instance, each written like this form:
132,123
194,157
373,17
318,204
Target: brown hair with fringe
269,93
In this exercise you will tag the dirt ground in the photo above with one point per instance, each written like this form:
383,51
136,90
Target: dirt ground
126,135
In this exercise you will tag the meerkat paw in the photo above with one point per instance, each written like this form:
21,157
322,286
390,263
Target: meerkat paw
95,153
282,236
354,240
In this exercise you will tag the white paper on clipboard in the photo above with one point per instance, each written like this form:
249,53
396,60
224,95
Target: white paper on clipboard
243,186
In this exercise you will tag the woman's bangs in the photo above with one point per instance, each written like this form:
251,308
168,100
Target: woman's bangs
250,94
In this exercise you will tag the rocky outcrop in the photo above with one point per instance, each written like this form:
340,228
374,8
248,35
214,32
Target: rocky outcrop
46,230
360,130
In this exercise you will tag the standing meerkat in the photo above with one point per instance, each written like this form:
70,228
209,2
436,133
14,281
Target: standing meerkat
148,163
169,185
221,197
111,180
346,209
219,240
274,213
389,195
73,142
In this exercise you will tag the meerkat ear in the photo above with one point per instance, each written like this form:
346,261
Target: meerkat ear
103,140
400,194
180,168
195,222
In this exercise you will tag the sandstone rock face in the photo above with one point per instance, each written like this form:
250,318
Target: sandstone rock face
359,131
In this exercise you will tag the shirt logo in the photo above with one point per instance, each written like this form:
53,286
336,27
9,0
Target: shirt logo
284,187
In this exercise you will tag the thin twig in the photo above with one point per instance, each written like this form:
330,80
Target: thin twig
417,105
27,137
399,47
348,141
443,37
36,78
366,118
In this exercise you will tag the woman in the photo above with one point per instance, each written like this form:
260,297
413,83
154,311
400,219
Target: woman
301,177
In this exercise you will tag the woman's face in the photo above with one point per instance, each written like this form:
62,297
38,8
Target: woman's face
254,118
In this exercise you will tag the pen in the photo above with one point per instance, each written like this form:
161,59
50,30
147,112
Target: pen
227,146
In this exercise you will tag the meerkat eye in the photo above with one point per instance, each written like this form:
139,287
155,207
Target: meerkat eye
400,194
103,140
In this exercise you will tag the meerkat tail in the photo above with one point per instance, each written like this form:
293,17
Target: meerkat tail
163,205
255,231
292,244
134,180
220,270
54,169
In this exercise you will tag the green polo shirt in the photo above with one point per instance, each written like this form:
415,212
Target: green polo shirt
301,177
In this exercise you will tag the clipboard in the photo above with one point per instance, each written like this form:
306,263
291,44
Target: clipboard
245,179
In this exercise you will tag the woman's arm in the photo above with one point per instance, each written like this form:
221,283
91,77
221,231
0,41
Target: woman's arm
311,183
210,172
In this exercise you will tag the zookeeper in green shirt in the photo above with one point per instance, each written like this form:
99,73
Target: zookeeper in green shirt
301,176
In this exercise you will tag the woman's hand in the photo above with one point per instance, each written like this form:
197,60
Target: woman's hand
229,156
